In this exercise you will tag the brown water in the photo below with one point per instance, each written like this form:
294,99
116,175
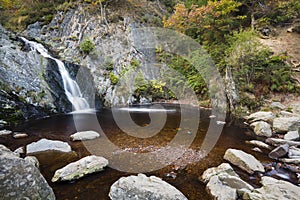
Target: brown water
183,173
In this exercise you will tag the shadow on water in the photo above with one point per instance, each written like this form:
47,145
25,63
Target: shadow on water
182,173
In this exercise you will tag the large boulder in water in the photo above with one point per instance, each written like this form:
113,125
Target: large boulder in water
243,160
20,179
143,187
80,168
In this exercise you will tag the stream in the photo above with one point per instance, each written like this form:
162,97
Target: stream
182,173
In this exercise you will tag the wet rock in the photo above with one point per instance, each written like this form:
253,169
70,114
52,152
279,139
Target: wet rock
294,152
261,116
257,149
285,124
5,132
295,161
20,135
84,135
259,144
243,160
279,152
19,179
262,129
278,105
143,187
292,135
278,142
80,168
274,189
47,145
223,168
33,160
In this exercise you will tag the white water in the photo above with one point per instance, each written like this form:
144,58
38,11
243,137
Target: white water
71,87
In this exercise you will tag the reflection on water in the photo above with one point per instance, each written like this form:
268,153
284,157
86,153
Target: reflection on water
183,173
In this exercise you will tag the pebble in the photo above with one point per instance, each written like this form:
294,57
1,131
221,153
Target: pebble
19,135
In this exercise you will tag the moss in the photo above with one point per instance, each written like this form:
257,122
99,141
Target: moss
87,46
113,78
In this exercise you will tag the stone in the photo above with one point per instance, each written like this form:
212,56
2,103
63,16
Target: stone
243,160
33,160
278,142
2,123
274,189
223,168
19,179
143,187
288,114
47,145
257,149
262,129
278,105
5,132
295,107
279,151
261,116
20,135
285,124
20,150
294,152
259,144
80,168
220,191
235,182
84,135
295,161
291,135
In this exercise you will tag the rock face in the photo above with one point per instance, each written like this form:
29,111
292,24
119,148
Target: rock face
84,135
20,179
262,129
285,124
143,187
274,189
47,145
243,160
80,168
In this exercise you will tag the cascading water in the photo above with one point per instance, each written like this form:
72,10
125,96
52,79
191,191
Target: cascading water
71,87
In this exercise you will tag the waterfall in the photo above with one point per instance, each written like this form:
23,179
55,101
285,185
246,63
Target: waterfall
71,87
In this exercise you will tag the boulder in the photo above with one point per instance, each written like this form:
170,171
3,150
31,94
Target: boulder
5,132
80,168
291,135
223,168
47,145
243,160
143,187
84,135
262,128
294,152
259,144
278,142
285,124
20,179
278,105
274,189
261,116
220,191
279,151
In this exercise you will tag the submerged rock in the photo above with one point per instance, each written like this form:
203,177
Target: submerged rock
285,124
243,160
20,179
279,152
143,187
47,145
84,135
80,168
274,189
261,128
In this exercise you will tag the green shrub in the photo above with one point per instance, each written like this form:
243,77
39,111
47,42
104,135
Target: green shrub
87,46
113,78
